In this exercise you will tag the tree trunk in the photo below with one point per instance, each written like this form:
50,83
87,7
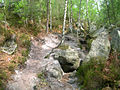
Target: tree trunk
39,17
98,8
5,25
87,14
68,12
47,26
63,32
79,24
50,15
71,14
108,11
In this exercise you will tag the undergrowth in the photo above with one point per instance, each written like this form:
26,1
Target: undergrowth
98,74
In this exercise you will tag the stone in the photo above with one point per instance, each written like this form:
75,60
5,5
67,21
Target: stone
115,39
100,47
10,45
99,31
54,70
69,59
93,28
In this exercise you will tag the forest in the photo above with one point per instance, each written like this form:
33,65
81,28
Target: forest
59,44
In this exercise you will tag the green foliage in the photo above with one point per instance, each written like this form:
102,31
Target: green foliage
22,60
95,75
25,53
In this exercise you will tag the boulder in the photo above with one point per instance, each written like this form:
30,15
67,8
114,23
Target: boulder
10,45
93,28
96,33
115,39
100,47
54,70
69,59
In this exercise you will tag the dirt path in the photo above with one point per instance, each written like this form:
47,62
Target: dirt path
26,79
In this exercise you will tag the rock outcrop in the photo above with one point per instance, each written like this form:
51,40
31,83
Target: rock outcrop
69,59
54,70
115,39
10,45
100,47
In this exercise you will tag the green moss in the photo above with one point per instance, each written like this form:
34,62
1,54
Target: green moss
41,75
89,42
63,47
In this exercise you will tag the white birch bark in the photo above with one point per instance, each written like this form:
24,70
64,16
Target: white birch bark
63,32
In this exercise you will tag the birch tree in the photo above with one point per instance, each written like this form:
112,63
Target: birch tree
71,14
50,15
87,13
79,25
47,26
63,32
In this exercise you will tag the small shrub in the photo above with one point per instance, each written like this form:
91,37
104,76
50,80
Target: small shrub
25,53
22,60
11,67
25,41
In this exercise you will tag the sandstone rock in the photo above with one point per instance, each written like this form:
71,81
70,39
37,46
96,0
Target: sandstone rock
69,59
100,47
54,70
115,39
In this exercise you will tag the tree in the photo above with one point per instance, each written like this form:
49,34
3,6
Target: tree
63,32
71,17
50,15
5,3
79,24
87,13
47,26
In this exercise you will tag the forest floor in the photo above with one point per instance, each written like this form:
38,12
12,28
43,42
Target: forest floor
26,78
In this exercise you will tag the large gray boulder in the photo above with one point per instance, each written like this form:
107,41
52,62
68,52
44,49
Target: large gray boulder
100,47
115,39
54,70
69,59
